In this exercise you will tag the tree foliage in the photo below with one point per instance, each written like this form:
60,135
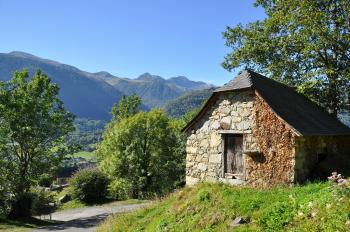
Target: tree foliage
146,150
128,106
33,126
304,43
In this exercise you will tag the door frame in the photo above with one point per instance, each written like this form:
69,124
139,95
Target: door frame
224,154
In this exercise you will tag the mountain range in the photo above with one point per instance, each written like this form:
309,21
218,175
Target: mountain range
92,95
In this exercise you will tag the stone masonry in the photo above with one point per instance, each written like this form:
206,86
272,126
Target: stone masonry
232,112
286,138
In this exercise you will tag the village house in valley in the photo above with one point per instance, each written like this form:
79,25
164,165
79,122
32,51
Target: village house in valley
259,132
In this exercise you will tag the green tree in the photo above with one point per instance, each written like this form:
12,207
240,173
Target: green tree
146,150
304,43
33,127
128,106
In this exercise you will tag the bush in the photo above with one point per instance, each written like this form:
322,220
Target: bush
89,186
120,189
35,202
41,202
22,205
45,180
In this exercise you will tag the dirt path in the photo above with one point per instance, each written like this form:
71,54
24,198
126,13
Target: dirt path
87,219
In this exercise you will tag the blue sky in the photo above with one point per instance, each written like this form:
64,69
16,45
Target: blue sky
127,37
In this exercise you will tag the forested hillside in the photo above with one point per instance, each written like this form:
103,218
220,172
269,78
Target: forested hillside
92,95
154,90
87,133
187,102
83,94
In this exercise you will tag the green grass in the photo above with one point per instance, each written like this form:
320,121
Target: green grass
212,207
58,194
132,201
23,225
84,154
75,204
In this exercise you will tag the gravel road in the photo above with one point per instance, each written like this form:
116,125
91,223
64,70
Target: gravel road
87,219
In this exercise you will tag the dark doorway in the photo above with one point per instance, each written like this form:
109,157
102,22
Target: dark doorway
233,154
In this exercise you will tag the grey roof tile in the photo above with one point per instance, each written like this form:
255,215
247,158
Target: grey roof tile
241,81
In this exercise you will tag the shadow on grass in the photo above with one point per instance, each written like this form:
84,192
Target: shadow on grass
26,223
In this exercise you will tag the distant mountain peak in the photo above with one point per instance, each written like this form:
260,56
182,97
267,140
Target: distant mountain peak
83,93
149,77
92,95
186,83
104,74
22,54
180,78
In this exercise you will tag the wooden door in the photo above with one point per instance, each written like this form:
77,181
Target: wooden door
233,154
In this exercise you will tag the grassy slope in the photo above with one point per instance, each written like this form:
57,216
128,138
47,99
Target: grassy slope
211,207
84,154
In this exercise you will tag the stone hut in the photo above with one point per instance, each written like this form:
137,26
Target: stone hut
259,132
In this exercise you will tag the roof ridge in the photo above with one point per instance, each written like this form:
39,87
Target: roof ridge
250,78
242,81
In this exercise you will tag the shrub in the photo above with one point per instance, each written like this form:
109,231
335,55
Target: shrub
89,186
340,184
45,180
22,205
35,202
120,189
41,202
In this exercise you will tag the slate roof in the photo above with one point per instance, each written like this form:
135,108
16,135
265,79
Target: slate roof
242,81
304,116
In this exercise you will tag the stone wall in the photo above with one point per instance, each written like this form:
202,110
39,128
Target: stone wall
273,153
232,111
316,157
274,164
